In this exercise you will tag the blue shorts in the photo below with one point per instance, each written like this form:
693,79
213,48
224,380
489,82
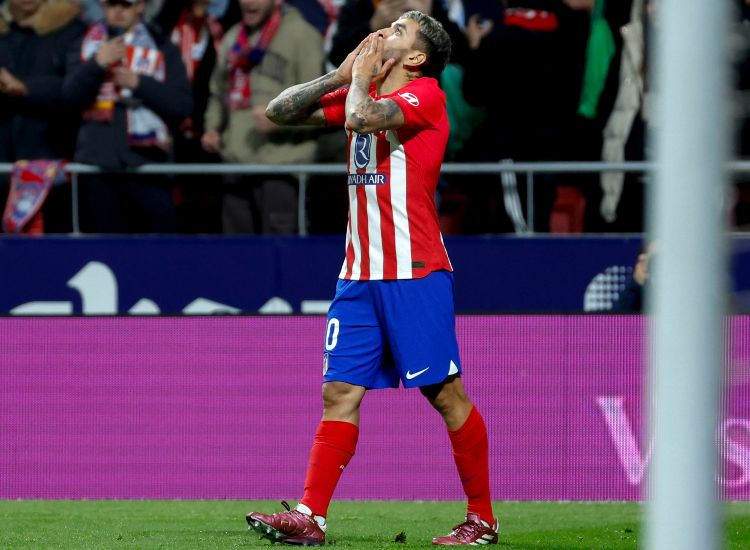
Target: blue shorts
380,333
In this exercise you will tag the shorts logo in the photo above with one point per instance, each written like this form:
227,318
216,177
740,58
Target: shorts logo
411,375
362,146
325,363
410,98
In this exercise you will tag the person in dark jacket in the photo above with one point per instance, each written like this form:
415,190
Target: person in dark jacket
34,36
630,299
131,86
197,33
537,52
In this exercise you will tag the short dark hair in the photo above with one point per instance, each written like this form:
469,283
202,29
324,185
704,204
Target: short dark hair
433,41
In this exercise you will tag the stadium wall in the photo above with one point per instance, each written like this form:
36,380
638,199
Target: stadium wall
214,274
226,407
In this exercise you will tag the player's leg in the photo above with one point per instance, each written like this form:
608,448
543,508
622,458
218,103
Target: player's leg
353,351
420,327
351,361
333,447
468,435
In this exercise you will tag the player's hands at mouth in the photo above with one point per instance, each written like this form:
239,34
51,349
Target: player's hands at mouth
344,71
369,63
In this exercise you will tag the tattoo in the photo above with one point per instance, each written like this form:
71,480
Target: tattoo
294,105
364,114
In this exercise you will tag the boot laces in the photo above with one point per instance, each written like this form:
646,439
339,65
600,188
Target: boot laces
467,530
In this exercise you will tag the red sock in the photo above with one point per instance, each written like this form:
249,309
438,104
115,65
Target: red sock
332,450
470,451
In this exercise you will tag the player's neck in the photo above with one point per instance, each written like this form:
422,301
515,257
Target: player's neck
396,79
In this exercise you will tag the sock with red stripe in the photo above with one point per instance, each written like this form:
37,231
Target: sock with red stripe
471,453
333,448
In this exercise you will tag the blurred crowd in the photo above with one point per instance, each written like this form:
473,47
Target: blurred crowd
122,83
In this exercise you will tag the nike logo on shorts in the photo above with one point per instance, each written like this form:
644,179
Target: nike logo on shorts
410,375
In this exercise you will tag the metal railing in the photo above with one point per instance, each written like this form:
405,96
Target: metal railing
304,171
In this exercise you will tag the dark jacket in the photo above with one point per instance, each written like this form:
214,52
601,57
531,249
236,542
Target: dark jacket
530,82
106,143
35,126
630,299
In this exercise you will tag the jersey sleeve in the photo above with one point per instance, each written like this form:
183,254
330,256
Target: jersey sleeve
422,102
334,107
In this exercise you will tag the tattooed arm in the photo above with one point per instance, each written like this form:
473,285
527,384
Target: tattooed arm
363,113
300,104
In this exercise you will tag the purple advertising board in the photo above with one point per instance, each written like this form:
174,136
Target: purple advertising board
226,408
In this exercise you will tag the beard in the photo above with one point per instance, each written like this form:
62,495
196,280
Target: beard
391,53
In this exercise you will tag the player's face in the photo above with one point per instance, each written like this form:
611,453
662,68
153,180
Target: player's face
399,39
256,12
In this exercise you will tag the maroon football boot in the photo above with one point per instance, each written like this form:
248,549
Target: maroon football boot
289,527
471,532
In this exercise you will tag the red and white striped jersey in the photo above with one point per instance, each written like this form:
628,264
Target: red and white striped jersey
393,230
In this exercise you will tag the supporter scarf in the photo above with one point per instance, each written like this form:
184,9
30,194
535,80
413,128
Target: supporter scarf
191,35
144,127
30,183
243,57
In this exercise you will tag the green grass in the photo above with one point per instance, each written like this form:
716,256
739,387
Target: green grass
357,525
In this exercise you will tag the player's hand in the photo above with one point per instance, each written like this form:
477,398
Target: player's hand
344,72
111,52
125,78
640,271
476,30
386,13
211,141
369,63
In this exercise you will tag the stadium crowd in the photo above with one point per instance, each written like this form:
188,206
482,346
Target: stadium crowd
121,83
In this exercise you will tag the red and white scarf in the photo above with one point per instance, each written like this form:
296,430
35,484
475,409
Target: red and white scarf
191,35
244,56
144,127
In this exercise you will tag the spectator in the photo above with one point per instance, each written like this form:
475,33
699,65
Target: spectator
272,48
537,52
740,41
332,10
598,91
630,299
132,87
34,36
156,9
314,11
197,33
625,131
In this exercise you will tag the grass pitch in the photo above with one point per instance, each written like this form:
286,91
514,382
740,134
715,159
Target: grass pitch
356,525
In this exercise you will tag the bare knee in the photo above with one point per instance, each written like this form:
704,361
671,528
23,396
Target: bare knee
450,400
341,401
